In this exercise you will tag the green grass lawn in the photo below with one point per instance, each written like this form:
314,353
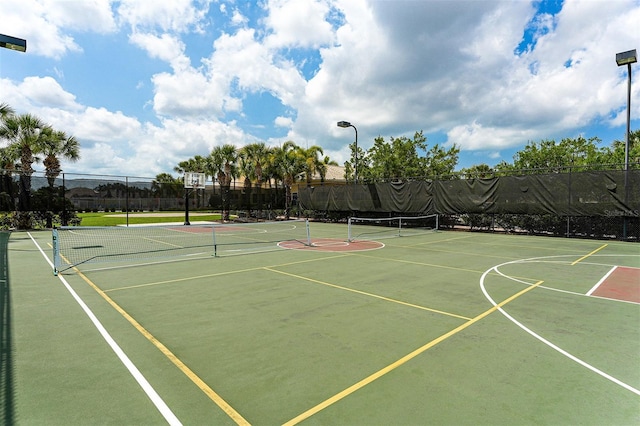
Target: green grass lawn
114,219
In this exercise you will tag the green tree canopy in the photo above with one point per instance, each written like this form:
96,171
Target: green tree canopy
571,154
405,158
615,153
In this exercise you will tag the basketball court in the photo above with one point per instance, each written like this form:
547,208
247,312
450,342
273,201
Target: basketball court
301,322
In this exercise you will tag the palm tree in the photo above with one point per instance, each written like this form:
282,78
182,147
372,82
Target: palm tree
322,168
56,145
26,134
5,111
288,164
196,164
223,161
312,162
255,155
271,175
215,167
245,167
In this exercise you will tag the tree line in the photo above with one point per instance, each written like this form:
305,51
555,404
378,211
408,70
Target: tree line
570,154
257,165
28,139
401,158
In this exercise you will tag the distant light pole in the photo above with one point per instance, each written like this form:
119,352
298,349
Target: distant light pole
627,58
345,124
13,43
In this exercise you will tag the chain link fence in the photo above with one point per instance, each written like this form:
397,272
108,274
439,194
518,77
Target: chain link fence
603,204
38,201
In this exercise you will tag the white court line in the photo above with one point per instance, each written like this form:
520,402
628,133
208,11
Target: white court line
537,336
595,287
575,293
137,375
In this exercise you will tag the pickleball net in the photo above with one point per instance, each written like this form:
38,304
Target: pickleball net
372,228
74,246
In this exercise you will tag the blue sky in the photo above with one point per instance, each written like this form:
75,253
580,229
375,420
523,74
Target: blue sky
146,84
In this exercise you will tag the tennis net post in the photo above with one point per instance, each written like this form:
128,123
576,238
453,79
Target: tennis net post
56,251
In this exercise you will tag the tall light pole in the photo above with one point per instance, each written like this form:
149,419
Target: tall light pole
627,58
345,124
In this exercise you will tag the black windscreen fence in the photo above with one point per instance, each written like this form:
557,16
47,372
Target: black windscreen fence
414,197
594,193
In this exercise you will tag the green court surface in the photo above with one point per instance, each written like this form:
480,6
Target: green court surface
442,328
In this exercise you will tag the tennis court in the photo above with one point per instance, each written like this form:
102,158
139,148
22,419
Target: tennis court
328,326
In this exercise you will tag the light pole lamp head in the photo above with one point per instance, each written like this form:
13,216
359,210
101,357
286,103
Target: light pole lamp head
344,124
13,43
628,57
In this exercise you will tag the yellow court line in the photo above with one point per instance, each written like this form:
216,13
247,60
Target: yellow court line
217,399
433,265
458,252
587,255
177,280
417,263
217,274
154,240
337,397
316,259
368,294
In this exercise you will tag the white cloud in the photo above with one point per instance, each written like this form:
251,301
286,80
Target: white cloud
99,124
164,47
456,68
165,15
160,148
238,18
475,136
453,67
298,23
286,122
36,93
101,158
188,93
240,57
46,24
491,44
43,37
95,15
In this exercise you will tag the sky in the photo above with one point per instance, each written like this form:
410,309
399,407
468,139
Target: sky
144,85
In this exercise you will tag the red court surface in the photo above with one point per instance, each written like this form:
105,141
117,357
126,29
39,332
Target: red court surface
621,284
332,245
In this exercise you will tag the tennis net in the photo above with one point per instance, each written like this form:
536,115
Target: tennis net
361,228
73,245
